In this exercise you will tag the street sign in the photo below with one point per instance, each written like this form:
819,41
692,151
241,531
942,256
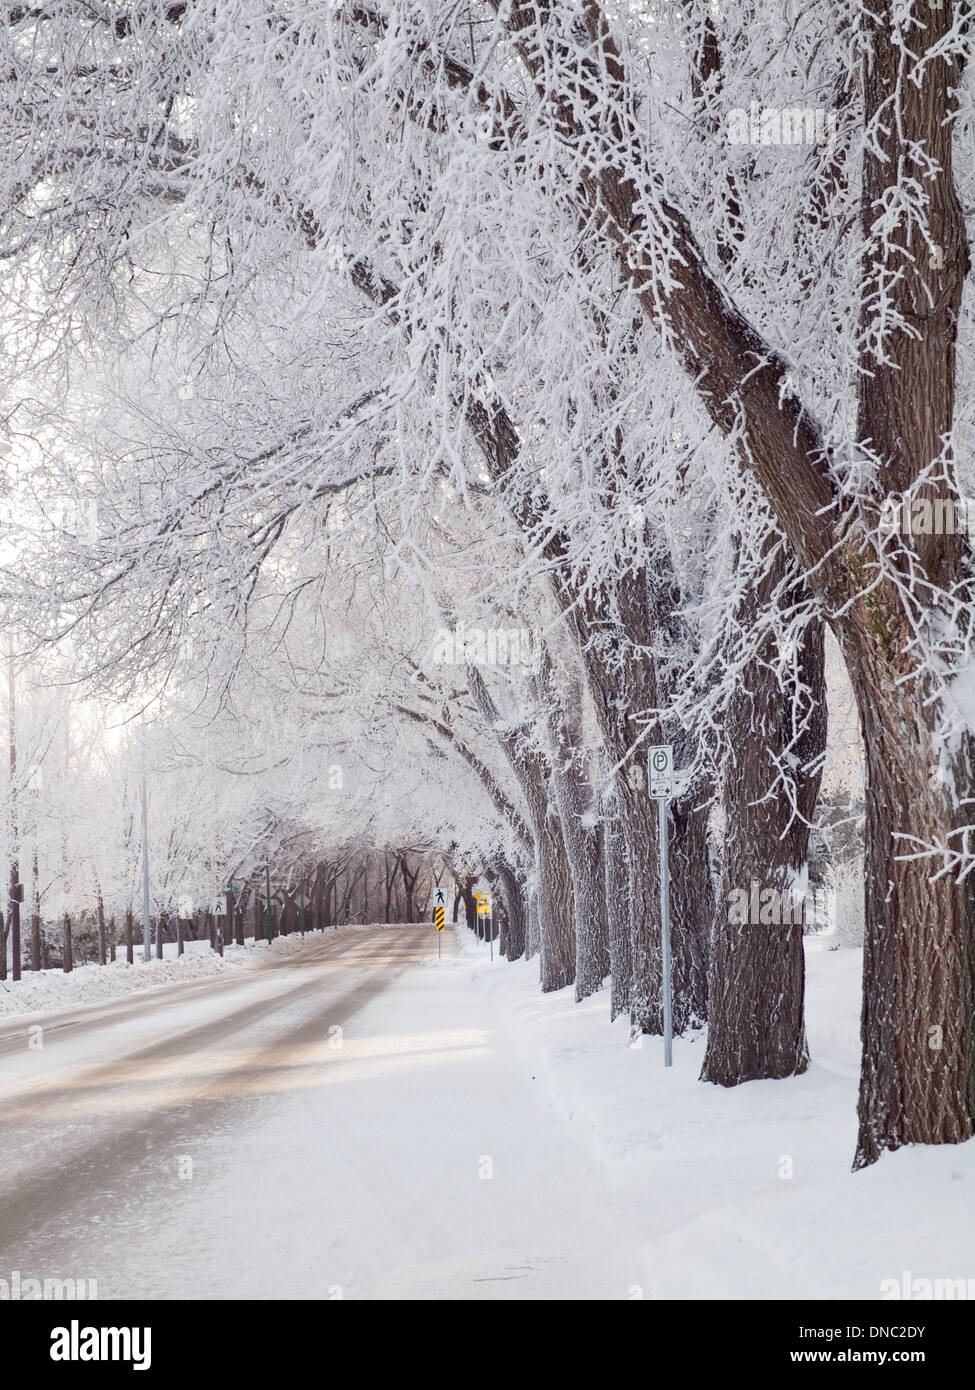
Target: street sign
438,918
661,763
439,895
662,772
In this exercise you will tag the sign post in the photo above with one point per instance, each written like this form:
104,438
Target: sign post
661,790
438,918
484,910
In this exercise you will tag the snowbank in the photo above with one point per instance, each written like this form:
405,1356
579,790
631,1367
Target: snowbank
745,1192
53,989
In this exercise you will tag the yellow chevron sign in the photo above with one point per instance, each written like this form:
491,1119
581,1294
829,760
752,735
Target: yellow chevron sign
438,918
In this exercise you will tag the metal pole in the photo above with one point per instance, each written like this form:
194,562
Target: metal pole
663,811
16,892
267,884
145,874
491,929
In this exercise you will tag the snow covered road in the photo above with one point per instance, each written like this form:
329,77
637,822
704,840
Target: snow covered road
335,1125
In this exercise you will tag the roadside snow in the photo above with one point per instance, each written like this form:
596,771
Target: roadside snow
468,1137
745,1192
53,989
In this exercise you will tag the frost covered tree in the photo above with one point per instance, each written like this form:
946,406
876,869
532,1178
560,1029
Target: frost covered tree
590,273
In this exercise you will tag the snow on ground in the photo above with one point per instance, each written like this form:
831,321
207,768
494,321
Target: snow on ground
420,1158
745,1192
474,1139
86,984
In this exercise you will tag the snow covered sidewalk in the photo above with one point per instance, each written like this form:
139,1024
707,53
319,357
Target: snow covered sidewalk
747,1192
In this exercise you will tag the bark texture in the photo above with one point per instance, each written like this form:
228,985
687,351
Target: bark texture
757,976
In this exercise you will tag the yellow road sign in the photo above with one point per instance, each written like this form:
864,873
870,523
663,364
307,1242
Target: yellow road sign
438,918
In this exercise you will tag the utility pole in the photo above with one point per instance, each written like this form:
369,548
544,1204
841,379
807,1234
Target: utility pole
16,891
35,920
267,896
100,916
145,873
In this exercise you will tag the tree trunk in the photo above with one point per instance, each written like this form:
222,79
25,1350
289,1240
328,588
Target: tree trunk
916,1081
617,639
580,828
556,910
466,885
100,915
515,923
533,934
409,885
390,882
691,901
757,975
35,941
616,891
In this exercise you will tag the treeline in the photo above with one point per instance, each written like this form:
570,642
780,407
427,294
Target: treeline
391,886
